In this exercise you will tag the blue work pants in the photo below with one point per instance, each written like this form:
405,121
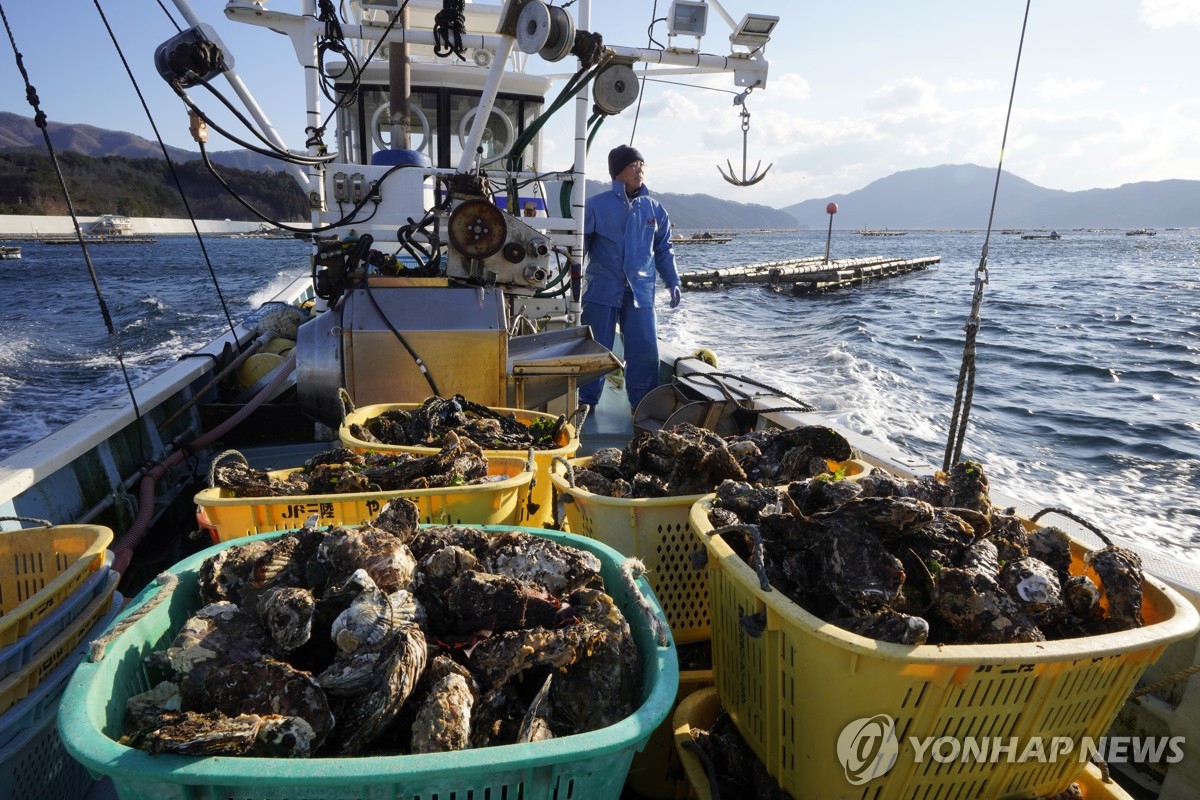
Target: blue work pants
639,333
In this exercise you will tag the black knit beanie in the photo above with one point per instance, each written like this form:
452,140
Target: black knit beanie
621,157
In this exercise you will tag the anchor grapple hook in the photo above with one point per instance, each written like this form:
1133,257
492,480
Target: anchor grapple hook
745,180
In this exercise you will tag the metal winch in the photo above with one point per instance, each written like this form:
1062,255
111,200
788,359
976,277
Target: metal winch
492,248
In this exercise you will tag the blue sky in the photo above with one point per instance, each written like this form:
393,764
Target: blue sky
1106,93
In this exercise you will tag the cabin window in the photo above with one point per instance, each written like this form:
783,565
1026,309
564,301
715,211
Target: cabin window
441,121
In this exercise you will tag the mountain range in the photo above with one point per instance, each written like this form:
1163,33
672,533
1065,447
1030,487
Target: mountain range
945,196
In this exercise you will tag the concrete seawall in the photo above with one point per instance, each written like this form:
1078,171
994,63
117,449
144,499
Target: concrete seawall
20,226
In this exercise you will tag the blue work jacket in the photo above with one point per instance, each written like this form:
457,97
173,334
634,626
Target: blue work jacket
626,240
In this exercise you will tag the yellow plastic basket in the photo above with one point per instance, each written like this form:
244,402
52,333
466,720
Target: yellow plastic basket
807,695
698,711
40,567
540,492
657,530
657,773
16,686
501,502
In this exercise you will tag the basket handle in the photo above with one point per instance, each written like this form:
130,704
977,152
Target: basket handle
757,561
212,468
632,569
346,402
167,582
570,469
710,771
1075,517
41,523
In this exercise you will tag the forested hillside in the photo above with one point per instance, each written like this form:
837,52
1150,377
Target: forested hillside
142,187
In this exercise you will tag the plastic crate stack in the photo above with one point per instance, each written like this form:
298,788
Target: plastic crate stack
57,594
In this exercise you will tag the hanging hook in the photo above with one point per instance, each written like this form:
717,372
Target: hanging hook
740,100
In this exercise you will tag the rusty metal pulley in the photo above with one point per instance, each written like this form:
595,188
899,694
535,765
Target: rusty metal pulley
477,229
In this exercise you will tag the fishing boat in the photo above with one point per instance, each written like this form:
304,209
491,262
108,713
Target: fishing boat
423,284
112,225
1141,232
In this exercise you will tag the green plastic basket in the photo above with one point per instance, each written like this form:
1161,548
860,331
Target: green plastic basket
586,765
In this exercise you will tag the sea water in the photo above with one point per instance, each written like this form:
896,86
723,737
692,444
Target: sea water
1088,351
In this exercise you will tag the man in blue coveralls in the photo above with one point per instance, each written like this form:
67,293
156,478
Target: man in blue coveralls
626,239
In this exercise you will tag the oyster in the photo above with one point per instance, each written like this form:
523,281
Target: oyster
980,611
443,721
533,558
396,672
1121,579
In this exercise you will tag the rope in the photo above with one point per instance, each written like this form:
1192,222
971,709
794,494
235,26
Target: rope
1165,682
631,570
171,166
39,119
449,25
42,523
757,560
965,389
98,647
1072,516
727,391
710,771
216,462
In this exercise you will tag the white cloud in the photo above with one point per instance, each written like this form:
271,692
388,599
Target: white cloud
1168,13
1058,88
909,94
963,86
789,86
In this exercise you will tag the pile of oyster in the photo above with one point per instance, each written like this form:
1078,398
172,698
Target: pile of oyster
341,470
384,639
689,460
428,425
928,560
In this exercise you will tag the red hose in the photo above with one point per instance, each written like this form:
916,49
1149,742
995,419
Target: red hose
123,549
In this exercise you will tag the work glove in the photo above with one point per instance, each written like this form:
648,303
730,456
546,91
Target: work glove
675,296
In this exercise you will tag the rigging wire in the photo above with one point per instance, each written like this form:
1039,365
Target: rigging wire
966,375
171,166
39,119
645,68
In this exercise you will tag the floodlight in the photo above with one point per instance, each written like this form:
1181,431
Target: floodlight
754,30
687,18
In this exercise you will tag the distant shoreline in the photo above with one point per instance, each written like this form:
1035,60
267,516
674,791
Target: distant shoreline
25,227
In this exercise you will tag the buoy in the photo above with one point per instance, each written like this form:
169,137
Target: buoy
706,355
256,367
279,346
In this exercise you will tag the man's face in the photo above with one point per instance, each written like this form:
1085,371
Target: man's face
633,176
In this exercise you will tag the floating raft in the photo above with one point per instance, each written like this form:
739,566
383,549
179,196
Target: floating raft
806,275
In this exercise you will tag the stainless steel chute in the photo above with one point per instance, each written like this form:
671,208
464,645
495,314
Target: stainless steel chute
545,366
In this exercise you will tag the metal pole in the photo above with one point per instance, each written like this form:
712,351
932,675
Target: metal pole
830,209
400,87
